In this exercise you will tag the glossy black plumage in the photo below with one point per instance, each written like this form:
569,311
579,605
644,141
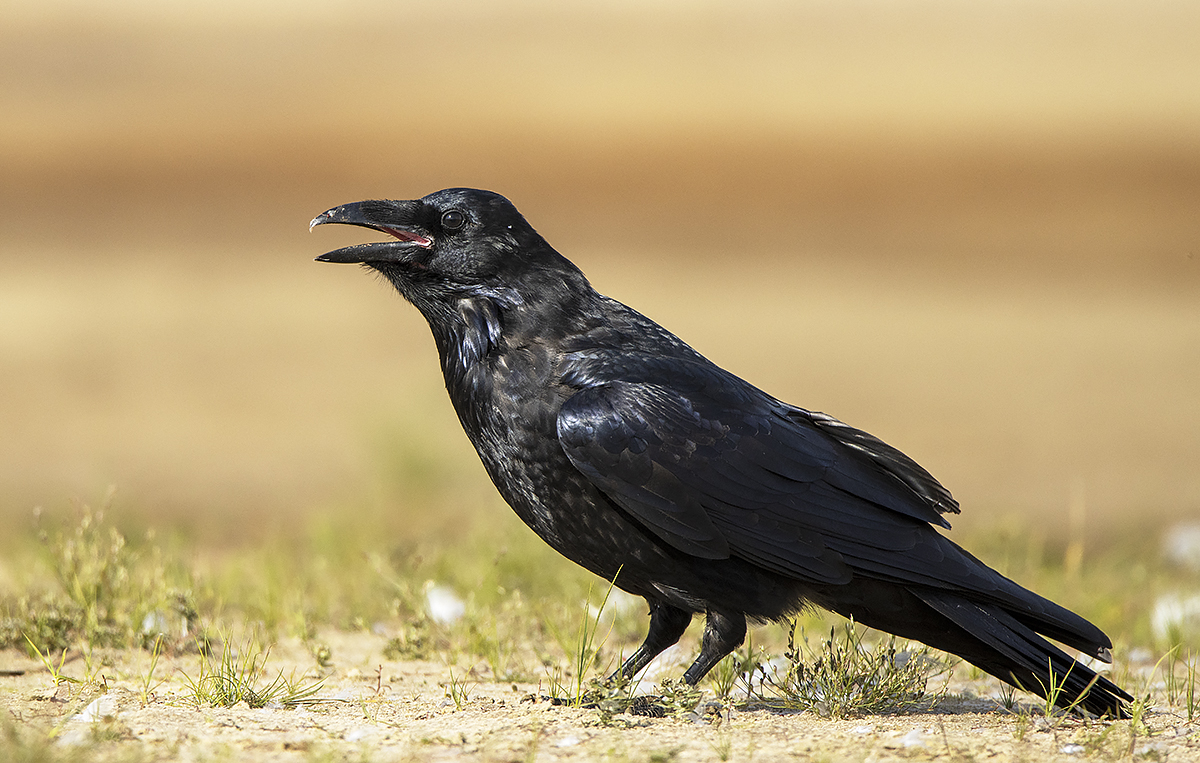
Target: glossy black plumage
625,449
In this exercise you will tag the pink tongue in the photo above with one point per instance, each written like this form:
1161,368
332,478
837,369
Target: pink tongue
404,235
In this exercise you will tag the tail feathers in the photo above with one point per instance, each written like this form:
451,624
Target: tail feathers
1014,653
1066,627
1035,612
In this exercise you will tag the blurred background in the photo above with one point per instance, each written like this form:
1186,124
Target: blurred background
970,227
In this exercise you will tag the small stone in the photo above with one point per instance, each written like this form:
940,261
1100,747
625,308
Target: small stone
445,608
102,708
1181,545
358,734
913,739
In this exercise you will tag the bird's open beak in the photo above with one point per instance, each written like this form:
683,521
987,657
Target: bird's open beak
395,218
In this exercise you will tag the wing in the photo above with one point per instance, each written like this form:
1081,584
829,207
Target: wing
715,473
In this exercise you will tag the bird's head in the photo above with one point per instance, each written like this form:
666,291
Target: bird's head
448,243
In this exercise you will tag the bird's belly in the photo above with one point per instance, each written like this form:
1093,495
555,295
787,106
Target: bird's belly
559,504
574,517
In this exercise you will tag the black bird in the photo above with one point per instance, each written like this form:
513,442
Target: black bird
625,449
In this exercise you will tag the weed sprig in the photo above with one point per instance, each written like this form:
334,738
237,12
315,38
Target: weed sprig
234,678
583,651
844,677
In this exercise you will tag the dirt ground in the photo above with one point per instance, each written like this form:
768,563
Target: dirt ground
375,709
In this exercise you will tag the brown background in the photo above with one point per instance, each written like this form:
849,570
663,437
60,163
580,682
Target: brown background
971,228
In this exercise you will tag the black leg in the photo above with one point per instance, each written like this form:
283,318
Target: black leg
667,624
722,634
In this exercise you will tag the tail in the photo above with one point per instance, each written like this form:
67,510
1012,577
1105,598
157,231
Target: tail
997,631
992,638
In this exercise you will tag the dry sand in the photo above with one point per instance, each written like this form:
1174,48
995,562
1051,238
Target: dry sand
384,710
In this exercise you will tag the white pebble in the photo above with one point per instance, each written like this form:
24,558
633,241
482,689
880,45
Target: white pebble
1175,613
444,605
914,738
1181,544
102,708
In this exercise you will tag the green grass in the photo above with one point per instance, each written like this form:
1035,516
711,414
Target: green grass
457,690
87,583
237,676
843,676
584,652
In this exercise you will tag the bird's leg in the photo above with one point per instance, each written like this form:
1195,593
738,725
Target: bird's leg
722,634
667,624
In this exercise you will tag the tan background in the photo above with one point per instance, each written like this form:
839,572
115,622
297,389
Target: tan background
971,228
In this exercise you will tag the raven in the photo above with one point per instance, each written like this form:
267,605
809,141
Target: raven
626,450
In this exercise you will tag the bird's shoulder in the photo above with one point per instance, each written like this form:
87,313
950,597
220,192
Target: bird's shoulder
614,342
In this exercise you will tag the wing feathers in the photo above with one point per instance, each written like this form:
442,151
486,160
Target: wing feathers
761,484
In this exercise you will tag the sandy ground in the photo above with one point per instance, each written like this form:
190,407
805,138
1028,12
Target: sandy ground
376,709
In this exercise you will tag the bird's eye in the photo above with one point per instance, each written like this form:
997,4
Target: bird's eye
453,220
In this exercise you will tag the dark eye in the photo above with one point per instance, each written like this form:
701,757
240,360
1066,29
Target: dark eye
453,220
